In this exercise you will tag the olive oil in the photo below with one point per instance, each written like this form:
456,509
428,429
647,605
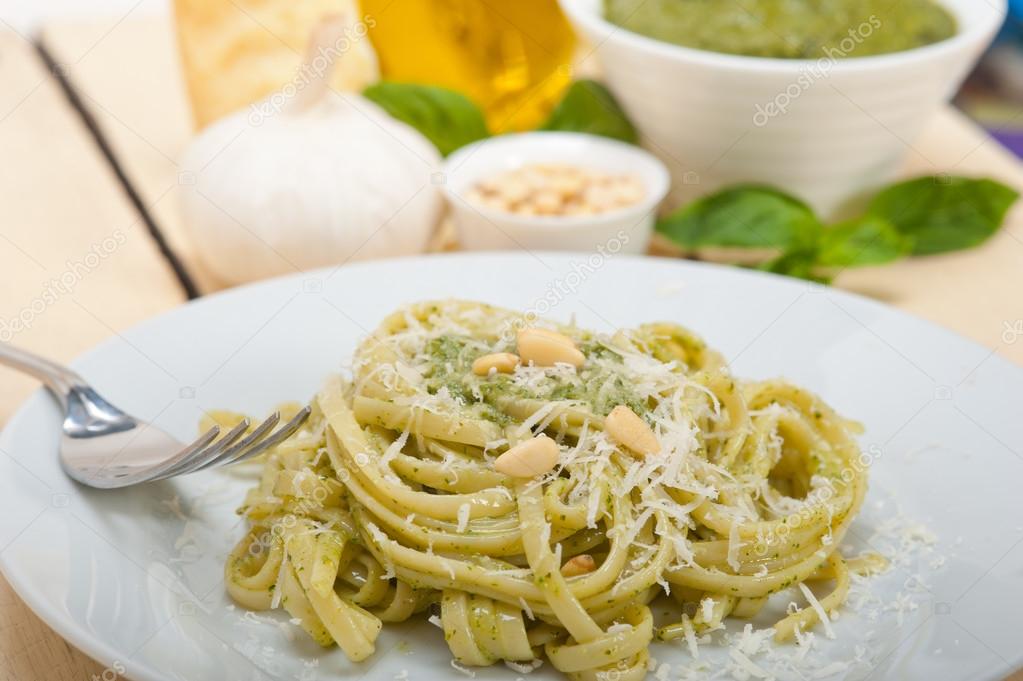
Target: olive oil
513,58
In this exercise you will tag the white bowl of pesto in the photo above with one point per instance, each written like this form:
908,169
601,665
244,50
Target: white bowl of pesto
829,116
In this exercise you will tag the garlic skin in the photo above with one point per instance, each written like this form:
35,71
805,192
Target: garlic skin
334,180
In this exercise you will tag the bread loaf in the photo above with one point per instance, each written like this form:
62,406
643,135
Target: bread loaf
237,52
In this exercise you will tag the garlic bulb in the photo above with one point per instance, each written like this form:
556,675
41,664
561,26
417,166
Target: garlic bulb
308,178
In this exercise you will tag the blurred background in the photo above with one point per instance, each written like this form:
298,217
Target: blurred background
993,95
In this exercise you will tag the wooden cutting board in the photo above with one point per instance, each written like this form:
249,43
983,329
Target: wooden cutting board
62,197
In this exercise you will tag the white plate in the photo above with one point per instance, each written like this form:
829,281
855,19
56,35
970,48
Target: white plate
133,577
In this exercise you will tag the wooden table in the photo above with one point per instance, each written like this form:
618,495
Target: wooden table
88,199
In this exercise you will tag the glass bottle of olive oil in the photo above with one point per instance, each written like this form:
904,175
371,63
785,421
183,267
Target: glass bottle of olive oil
511,57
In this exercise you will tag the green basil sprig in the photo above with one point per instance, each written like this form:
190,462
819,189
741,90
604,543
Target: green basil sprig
921,216
588,106
451,120
945,213
745,216
447,118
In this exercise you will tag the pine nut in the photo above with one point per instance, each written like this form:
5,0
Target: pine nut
629,430
529,459
579,565
501,362
546,348
553,189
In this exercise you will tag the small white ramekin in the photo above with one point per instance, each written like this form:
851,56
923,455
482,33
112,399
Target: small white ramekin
625,230
847,123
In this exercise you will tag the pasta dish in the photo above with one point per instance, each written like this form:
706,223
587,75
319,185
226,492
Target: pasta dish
533,488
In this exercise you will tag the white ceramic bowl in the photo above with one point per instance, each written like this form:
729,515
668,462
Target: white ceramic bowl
827,131
626,230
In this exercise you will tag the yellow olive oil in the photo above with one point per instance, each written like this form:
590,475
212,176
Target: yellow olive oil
511,57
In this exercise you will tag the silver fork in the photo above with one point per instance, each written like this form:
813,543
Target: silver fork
104,447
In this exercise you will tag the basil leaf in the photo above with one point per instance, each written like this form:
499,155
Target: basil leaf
743,217
869,240
944,213
799,262
589,107
448,119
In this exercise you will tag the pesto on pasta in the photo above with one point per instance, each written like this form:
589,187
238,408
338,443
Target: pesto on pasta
669,479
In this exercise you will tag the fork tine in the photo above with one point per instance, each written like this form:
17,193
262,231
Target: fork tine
228,455
286,431
187,464
185,454
202,441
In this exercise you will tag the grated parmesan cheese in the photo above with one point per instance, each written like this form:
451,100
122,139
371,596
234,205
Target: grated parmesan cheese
275,602
523,668
525,608
462,669
819,609
747,665
690,635
707,608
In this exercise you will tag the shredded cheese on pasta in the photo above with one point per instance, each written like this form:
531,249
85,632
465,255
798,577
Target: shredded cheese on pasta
387,504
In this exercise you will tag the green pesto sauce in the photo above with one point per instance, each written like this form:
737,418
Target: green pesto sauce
788,29
451,359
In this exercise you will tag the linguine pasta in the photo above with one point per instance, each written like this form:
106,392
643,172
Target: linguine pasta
388,504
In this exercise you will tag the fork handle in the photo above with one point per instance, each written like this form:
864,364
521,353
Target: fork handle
61,381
